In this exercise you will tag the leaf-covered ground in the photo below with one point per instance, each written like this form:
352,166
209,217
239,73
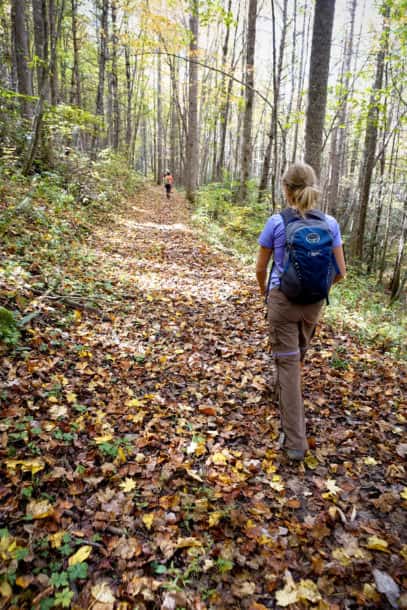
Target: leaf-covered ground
138,441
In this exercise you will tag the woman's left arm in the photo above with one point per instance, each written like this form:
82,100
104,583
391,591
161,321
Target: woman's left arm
340,261
263,258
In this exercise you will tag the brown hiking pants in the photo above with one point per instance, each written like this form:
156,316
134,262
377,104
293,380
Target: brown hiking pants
291,327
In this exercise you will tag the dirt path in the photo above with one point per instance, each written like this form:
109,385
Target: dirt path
169,471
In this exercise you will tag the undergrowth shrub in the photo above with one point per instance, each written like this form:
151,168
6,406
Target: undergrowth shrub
227,223
9,333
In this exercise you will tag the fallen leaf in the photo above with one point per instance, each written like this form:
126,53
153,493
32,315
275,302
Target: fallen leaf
386,585
33,466
39,509
102,592
148,520
128,485
81,555
377,544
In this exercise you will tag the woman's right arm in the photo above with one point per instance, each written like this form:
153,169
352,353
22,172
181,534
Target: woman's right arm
263,258
340,261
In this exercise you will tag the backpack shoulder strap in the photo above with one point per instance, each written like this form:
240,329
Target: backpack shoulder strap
288,215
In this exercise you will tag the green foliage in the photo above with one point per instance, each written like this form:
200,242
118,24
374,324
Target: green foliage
9,333
227,224
359,305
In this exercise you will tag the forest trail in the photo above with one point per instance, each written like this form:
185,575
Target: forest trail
158,435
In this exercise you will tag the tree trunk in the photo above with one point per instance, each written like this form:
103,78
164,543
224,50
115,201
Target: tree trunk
318,82
246,160
272,138
370,147
76,82
114,83
396,279
102,60
192,144
338,137
53,77
21,55
159,124
40,19
44,93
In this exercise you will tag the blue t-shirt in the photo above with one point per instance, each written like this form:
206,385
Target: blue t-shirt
273,237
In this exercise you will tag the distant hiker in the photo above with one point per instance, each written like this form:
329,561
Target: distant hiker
168,182
307,258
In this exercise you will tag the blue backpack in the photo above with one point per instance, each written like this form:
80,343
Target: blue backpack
309,262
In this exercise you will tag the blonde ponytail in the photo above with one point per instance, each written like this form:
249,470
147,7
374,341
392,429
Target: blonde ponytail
301,183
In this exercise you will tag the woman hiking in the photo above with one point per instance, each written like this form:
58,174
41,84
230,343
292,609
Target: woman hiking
168,182
292,321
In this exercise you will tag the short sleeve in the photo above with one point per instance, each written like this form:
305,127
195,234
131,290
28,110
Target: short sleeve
336,231
267,236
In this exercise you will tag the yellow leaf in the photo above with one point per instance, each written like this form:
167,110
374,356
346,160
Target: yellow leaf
377,544
81,555
214,518
56,539
133,402
311,462
287,595
183,543
370,461
332,486
32,466
103,439
71,397
128,484
5,589
102,593
148,520
308,590
121,456
77,315
403,552
220,458
403,494
58,411
39,509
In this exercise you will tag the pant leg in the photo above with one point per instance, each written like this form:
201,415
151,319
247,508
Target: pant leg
284,318
307,325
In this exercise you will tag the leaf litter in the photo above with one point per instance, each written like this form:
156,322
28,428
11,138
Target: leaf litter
139,445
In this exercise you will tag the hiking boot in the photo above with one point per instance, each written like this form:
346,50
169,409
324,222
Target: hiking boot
295,454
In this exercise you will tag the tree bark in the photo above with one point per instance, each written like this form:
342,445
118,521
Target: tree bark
21,55
76,82
318,82
246,159
159,124
192,144
369,152
272,137
114,80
